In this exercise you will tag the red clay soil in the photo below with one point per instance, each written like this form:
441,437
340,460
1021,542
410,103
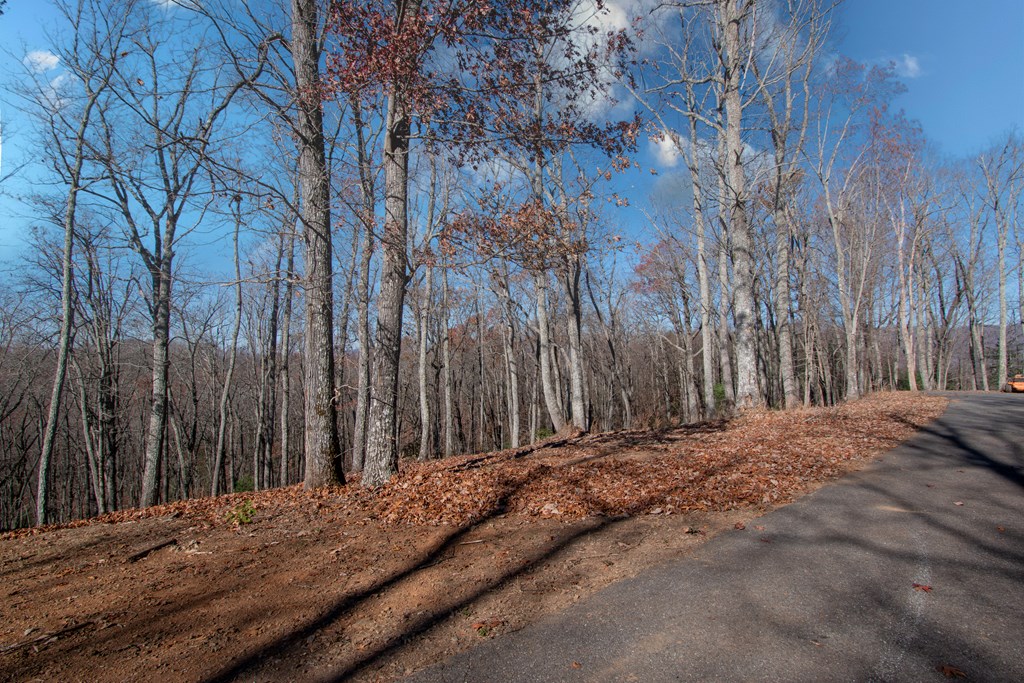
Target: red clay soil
351,584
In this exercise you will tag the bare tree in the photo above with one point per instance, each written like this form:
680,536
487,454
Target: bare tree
168,96
1003,170
323,457
90,56
836,162
225,394
733,56
783,65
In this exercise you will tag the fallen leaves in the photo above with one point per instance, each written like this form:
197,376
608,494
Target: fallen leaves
759,459
922,588
739,526
950,671
484,628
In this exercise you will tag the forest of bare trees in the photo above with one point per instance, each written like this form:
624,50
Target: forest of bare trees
282,241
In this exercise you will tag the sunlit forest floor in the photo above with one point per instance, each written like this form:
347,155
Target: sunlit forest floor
348,583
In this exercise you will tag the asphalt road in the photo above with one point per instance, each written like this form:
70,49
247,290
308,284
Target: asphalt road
826,591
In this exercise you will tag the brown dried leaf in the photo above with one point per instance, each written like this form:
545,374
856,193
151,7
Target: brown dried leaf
762,458
950,671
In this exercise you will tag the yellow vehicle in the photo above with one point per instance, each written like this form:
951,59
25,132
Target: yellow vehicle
1015,385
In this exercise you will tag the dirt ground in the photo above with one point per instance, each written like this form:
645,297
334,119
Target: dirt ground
347,584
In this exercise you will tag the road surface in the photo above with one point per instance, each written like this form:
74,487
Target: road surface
910,570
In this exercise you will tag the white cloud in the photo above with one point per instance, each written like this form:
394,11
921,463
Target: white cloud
598,21
173,4
40,61
489,171
665,151
612,18
908,66
55,93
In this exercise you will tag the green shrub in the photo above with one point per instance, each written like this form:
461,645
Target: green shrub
719,395
243,513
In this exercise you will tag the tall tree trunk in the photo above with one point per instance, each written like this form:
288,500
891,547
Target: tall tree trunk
511,360
905,309
225,393
512,380
106,429
703,279
724,305
423,321
268,379
747,395
849,304
691,386
783,314
66,322
161,327
1002,172
1003,318
540,280
344,318
382,448
780,72
481,388
63,352
365,356
446,370
323,461
366,184
571,282
91,445
609,326
286,353
980,371
1020,278
924,335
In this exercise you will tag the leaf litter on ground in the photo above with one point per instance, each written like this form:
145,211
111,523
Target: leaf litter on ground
757,460
527,531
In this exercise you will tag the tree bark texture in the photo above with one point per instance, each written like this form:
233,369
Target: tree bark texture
747,394
323,461
382,447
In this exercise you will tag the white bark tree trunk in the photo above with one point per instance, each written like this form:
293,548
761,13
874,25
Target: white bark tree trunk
571,283
731,16
446,371
422,324
551,401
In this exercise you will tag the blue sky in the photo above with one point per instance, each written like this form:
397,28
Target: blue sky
962,63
